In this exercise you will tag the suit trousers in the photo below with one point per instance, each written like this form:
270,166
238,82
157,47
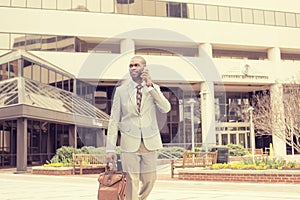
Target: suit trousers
140,167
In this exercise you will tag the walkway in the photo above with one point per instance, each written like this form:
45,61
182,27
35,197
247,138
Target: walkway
30,187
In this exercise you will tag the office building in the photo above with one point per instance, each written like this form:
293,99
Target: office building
209,57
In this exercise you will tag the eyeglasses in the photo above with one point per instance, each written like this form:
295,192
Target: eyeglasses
134,65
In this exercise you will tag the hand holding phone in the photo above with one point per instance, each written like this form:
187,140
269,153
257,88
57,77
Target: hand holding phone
146,77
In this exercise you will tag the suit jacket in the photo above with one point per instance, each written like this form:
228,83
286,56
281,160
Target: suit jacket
132,124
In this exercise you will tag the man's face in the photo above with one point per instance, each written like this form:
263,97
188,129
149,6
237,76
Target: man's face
136,68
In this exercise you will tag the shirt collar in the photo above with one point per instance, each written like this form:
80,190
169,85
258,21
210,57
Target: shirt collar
136,84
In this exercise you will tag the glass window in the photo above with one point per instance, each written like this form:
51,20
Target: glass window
224,14
136,8
269,17
247,16
258,16
17,41
44,75
64,5
79,5
59,80
34,3
4,71
125,1
123,8
236,14
242,139
66,83
107,6
18,3
224,139
212,13
52,78
298,20
232,138
4,41
200,12
175,9
13,69
290,19
49,42
149,7
35,140
60,136
27,69
66,135
49,4
190,11
33,42
93,5
36,70
161,8
279,18
5,3
101,99
65,43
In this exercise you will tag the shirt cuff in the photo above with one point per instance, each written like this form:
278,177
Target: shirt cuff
151,87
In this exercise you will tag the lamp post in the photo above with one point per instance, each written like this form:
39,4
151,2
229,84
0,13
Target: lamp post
252,136
192,103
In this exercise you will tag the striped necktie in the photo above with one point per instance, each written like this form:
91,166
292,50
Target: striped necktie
139,96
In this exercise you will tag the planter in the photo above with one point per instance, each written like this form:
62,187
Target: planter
52,170
228,175
63,171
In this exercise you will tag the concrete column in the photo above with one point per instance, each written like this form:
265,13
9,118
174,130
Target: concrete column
278,127
100,137
205,49
208,114
21,145
127,46
72,136
274,54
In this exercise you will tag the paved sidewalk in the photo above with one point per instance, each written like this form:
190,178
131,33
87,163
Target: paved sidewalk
30,187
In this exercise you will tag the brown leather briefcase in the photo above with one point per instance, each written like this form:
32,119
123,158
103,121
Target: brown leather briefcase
112,185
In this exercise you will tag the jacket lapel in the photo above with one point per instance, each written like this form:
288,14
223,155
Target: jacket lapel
132,96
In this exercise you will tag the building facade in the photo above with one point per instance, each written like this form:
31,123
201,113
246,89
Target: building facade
209,58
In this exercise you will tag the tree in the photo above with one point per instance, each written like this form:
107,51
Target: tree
285,112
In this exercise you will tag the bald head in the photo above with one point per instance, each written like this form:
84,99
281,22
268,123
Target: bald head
141,58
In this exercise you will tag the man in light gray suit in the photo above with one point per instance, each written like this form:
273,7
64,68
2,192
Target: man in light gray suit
140,135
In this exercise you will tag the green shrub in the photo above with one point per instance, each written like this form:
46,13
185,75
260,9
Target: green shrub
64,155
171,151
92,150
236,150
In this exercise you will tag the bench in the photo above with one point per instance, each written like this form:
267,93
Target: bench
256,151
81,161
194,159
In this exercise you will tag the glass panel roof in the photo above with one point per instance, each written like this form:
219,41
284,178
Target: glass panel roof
25,91
13,55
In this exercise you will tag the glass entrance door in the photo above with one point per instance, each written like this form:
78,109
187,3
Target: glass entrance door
8,141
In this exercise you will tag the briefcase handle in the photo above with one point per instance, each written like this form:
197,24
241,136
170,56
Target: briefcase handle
116,164
113,166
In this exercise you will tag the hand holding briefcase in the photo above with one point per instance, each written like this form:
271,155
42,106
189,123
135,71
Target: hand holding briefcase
112,184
